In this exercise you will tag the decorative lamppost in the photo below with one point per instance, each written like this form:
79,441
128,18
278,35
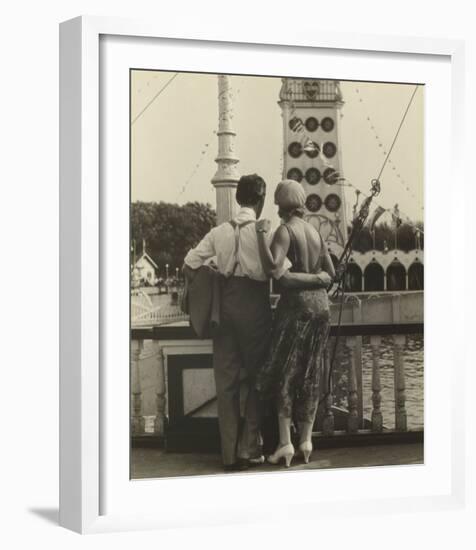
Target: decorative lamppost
226,177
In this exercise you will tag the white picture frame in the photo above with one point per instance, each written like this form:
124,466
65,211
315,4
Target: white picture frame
84,437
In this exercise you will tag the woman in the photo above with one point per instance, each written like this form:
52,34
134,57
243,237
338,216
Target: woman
291,373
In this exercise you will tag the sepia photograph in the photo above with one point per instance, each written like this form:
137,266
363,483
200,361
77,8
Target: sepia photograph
276,274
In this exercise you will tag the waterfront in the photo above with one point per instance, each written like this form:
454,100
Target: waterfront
413,360
414,378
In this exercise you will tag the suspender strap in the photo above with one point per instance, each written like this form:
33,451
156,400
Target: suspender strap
236,227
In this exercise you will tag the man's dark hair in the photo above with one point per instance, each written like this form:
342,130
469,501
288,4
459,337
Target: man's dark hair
250,190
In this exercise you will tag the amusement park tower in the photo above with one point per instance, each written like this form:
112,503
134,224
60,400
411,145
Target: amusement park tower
311,152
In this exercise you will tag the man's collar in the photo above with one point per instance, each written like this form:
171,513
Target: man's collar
245,213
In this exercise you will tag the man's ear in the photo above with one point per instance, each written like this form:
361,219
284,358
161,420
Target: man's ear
260,206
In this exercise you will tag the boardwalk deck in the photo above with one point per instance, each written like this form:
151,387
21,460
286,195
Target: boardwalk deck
156,463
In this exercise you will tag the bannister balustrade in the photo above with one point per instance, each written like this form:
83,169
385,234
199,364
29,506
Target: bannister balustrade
373,317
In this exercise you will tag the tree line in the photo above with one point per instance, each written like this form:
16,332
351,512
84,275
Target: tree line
169,230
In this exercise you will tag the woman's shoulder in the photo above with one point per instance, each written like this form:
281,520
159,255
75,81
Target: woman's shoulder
281,234
282,229
311,230
304,228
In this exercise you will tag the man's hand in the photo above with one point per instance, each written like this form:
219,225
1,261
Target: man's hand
263,226
324,278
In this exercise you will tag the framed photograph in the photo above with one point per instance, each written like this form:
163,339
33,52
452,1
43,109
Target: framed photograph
246,302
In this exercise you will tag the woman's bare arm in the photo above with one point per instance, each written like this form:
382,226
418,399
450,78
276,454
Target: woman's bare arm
272,257
305,281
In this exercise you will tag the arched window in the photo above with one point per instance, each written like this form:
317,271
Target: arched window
416,276
396,276
353,278
374,277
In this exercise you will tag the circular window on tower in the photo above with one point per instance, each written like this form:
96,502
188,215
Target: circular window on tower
295,123
332,203
311,149
329,149
313,176
313,203
330,176
295,149
312,124
294,174
327,124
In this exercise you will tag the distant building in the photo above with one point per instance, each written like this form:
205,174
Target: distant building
311,152
312,156
145,270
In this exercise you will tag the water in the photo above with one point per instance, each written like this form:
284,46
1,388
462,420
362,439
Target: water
413,364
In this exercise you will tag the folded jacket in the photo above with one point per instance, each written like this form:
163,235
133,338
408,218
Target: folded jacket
201,300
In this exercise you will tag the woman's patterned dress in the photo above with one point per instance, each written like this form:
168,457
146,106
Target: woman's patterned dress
292,372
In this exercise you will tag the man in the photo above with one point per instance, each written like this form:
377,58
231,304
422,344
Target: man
242,338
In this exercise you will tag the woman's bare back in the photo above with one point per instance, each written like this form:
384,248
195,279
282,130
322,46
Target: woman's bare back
308,244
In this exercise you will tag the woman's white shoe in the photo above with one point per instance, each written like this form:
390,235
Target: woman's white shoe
306,449
286,452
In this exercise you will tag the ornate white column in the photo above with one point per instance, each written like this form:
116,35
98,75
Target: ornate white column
226,177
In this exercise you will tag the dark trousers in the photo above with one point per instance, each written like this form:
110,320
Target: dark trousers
241,342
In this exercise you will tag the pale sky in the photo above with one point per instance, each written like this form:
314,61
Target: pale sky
174,144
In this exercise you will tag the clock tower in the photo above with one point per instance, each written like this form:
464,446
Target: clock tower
311,153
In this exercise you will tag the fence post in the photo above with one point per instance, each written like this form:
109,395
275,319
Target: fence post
357,317
328,421
352,398
159,423
137,420
399,383
377,418
398,369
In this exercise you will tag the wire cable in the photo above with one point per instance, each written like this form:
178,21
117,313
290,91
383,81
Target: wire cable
397,133
134,120
357,225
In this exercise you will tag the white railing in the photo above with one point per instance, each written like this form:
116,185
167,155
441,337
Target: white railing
359,317
145,314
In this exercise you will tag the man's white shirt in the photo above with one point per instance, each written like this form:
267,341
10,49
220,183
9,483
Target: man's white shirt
220,244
